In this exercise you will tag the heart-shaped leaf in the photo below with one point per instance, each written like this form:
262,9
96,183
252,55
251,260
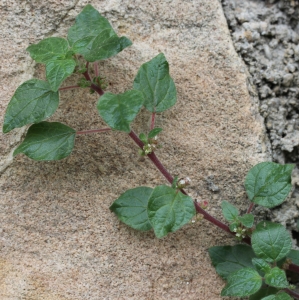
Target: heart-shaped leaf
230,212
58,70
52,48
32,102
93,37
242,283
168,210
271,241
154,81
55,53
276,278
228,259
48,141
118,111
131,208
268,183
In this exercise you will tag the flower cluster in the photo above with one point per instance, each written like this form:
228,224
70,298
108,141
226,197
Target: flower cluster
150,146
240,232
183,182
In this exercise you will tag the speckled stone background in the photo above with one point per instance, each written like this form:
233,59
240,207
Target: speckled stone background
58,239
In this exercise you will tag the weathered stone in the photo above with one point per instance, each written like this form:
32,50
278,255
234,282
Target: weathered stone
290,141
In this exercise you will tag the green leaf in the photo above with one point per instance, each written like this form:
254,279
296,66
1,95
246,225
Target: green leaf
242,283
279,296
276,278
229,211
261,265
228,259
271,241
234,226
263,292
174,182
169,210
54,52
118,111
48,141
143,138
32,102
154,132
154,81
131,208
294,256
268,183
93,37
52,48
58,70
246,220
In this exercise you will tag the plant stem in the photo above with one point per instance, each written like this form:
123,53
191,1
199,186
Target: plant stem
250,208
93,131
153,121
211,219
96,69
292,293
93,86
160,167
69,87
169,178
152,157
294,268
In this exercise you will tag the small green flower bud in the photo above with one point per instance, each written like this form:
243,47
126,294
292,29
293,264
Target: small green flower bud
183,182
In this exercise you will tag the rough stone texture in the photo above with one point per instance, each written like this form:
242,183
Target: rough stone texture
58,239
266,35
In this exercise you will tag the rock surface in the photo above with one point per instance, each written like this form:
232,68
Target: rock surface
58,239
266,35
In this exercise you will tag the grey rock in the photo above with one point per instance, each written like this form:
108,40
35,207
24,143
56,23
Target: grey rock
273,64
290,141
296,52
291,67
287,79
273,43
267,51
211,185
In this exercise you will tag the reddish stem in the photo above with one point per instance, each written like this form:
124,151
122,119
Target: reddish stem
68,87
160,167
153,121
211,219
93,131
96,69
250,208
294,268
292,293
92,86
169,178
